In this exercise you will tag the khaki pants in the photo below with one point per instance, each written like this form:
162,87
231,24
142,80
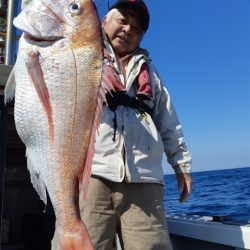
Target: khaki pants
137,208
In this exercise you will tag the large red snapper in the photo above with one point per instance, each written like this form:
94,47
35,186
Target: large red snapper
57,104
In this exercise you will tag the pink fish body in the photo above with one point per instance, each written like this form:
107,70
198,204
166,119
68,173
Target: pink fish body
58,72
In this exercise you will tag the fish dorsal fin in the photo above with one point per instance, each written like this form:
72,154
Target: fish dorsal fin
105,87
10,88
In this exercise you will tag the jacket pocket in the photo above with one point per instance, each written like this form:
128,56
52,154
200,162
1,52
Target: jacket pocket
147,140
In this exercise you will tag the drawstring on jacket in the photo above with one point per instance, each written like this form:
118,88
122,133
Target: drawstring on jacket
115,126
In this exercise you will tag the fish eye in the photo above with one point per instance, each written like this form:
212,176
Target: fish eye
75,8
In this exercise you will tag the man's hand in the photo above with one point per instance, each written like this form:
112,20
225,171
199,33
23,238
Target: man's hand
184,185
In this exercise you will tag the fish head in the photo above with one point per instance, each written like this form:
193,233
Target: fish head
52,20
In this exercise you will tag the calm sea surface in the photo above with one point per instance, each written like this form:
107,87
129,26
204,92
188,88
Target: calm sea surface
219,192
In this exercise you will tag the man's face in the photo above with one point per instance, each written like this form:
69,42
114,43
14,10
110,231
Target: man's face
123,31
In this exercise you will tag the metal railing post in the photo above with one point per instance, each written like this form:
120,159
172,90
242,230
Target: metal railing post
10,35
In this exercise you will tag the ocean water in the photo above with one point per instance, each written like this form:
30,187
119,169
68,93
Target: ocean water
215,193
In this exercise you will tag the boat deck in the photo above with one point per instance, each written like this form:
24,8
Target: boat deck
203,233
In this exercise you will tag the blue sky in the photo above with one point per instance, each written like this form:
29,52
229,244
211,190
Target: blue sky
202,51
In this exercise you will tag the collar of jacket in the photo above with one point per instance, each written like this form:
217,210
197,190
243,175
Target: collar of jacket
134,66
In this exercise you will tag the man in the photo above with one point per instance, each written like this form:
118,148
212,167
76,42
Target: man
126,187
138,124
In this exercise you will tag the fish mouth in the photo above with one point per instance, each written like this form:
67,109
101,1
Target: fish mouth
41,25
41,39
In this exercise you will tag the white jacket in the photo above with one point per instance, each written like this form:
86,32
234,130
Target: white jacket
136,154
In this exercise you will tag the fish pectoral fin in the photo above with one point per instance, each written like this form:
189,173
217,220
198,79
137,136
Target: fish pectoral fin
10,88
36,74
36,181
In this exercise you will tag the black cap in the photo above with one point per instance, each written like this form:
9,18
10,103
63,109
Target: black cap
139,6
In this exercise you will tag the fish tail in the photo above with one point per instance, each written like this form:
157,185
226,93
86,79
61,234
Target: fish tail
81,241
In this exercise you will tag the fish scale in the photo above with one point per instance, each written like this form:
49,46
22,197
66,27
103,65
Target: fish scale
58,73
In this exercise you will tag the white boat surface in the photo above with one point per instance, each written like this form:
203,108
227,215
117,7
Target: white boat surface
204,233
